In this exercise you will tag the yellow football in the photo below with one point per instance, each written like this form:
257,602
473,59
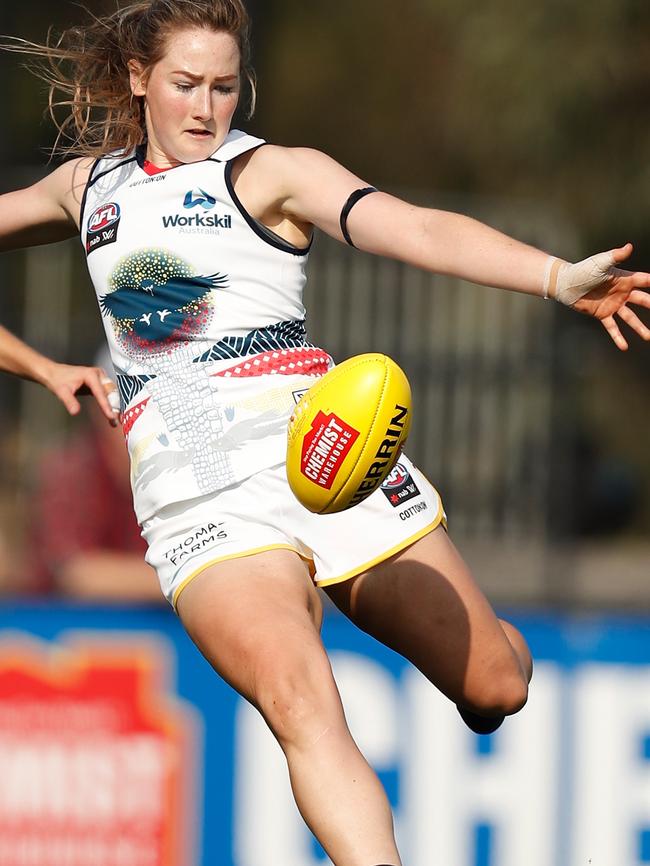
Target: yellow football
347,432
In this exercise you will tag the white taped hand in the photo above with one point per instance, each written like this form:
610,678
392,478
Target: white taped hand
567,283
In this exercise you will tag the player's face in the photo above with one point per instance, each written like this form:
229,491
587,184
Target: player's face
190,96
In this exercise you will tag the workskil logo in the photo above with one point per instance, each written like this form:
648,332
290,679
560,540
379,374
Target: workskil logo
196,197
198,222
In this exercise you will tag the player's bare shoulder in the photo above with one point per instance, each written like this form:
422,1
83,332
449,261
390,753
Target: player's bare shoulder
47,211
262,183
260,174
280,168
277,180
308,186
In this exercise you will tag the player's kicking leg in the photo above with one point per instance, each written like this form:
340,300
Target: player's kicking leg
425,604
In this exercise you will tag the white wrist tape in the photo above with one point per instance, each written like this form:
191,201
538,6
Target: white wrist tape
112,396
567,283
114,400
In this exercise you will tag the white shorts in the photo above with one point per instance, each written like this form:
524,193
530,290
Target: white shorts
261,513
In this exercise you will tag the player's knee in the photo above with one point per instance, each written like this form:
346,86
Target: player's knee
500,692
503,695
298,702
514,694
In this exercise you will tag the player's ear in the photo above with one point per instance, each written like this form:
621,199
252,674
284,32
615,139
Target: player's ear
137,78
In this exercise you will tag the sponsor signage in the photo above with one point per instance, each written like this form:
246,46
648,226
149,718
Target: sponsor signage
105,764
96,758
325,447
198,198
566,782
194,198
197,220
206,536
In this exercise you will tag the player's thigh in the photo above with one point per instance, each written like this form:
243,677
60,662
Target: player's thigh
257,621
425,604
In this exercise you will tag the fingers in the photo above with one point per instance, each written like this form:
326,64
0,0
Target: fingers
642,299
609,324
67,382
112,394
95,381
622,253
104,391
67,397
630,318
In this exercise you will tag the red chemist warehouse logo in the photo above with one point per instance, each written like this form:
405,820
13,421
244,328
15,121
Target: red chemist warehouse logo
325,448
98,760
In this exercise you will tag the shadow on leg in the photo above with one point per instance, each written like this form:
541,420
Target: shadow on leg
425,604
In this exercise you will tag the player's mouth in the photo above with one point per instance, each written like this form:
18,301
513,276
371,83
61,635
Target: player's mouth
199,133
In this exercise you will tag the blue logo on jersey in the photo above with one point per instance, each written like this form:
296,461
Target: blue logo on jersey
195,197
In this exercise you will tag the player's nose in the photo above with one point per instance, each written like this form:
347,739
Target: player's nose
202,107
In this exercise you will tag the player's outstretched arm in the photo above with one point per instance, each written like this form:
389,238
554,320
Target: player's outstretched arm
45,212
65,381
316,187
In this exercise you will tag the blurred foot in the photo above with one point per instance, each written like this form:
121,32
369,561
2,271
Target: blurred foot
480,724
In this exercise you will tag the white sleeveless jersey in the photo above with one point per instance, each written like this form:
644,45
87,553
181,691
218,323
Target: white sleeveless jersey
202,308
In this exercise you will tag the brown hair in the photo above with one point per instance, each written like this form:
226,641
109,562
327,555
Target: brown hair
87,73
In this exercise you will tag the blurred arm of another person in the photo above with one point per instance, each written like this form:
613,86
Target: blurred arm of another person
85,539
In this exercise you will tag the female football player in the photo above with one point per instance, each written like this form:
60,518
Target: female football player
196,237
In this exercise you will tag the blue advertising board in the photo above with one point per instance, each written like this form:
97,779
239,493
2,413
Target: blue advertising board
121,747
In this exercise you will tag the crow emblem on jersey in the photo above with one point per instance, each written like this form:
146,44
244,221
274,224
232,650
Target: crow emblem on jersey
156,302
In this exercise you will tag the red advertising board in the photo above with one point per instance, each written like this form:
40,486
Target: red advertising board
97,758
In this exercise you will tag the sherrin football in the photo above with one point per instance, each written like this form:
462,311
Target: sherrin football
346,433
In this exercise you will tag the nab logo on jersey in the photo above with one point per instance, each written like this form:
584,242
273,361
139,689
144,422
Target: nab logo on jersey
196,197
102,226
399,486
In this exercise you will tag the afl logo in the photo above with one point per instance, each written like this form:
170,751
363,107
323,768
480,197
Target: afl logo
102,226
399,486
104,217
397,476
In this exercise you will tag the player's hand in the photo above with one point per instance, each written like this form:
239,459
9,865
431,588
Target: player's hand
67,382
611,292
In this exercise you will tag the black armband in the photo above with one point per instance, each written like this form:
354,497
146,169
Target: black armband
356,196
